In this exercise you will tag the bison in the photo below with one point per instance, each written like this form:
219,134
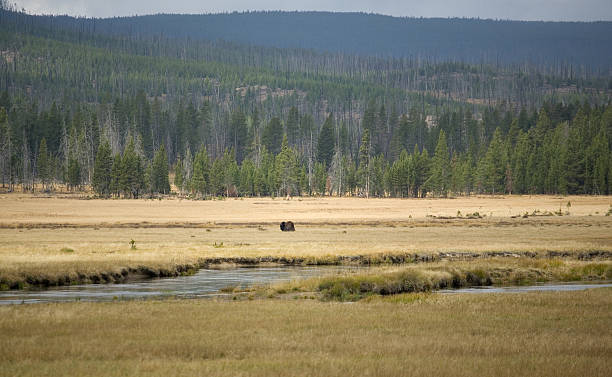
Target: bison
287,226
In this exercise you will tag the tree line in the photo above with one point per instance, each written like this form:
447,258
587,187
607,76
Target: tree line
560,149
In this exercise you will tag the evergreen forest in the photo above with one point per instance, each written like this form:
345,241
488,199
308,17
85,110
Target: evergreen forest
178,104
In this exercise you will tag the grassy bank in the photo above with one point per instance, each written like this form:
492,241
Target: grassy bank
536,334
97,254
435,276
478,272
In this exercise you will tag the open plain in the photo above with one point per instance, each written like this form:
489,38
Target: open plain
53,240
395,324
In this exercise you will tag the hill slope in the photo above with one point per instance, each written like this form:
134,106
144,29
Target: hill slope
470,40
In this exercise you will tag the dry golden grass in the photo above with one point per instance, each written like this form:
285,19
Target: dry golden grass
43,251
535,334
543,334
41,209
53,236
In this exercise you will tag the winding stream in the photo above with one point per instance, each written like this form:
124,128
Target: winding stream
205,283
209,283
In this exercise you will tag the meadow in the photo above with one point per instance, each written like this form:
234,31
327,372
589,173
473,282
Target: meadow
386,321
65,239
531,334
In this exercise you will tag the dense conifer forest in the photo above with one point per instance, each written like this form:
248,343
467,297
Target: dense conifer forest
456,39
123,105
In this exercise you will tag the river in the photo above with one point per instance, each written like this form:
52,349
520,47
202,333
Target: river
210,283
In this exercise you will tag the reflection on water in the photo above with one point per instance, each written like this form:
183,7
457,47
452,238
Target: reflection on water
203,284
531,288
208,283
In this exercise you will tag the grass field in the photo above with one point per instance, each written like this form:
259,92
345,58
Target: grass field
534,334
363,324
35,210
57,238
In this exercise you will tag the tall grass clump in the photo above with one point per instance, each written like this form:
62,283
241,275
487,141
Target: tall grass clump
352,288
424,279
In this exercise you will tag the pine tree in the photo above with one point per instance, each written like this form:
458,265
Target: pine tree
74,172
379,171
272,136
115,181
132,179
556,151
238,134
302,180
206,123
523,120
320,178
351,176
575,162
369,118
419,172
439,180
399,138
467,175
380,136
531,172
147,186
600,151
225,175
159,172
260,181
326,142
292,126
519,160
101,180
406,165
287,170
247,178
200,180
397,176
495,165
232,176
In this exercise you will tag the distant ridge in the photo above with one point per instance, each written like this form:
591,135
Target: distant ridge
459,39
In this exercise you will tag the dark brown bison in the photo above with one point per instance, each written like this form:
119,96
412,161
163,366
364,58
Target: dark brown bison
287,226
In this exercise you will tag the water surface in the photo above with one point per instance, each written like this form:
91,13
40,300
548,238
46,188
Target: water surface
209,283
545,287
205,283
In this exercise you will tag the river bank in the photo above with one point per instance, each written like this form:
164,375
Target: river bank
24,279
51,241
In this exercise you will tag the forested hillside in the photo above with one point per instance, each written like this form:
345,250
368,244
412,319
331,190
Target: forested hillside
468,40
118,104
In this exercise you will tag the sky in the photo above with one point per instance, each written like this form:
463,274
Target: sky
527,10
